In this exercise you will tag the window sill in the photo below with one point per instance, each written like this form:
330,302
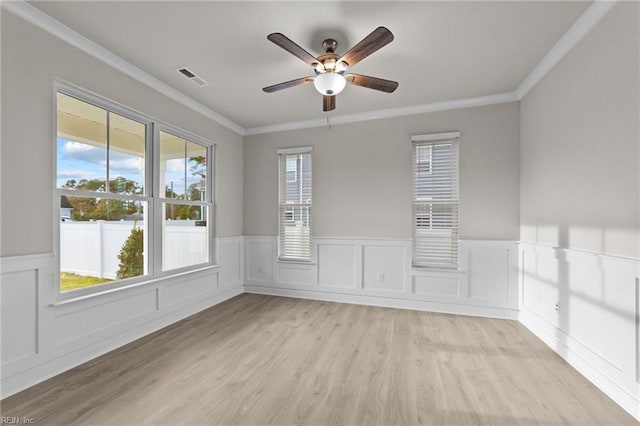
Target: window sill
68,299
296,262
428,270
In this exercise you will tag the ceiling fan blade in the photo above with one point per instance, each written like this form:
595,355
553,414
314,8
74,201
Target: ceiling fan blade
287,84
379,38
328,103
291,47
374,83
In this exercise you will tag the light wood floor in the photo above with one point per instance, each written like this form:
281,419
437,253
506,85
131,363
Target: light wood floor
270,360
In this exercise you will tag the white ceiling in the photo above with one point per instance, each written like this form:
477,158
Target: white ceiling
442,50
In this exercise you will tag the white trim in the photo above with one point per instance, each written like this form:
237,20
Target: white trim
10,264
567,251
583,25
387,302
97,292
58,29
299,150
435,137
386,113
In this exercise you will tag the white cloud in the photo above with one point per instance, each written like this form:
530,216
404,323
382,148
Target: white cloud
176,165
72,147
83,152
127,165
76,174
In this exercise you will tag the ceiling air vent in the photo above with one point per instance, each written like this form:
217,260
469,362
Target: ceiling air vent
193,77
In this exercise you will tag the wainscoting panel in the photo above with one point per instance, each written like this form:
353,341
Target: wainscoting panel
19,305
260,259
379,272
488,267
77,325
338,265
385,267
585,306
292,274
436,286
42,337
187,289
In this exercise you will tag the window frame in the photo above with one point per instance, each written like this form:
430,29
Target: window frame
159,199
153,225
432,140
282,174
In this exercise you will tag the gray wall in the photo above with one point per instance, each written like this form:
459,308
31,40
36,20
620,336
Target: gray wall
362,174
580,144
31,59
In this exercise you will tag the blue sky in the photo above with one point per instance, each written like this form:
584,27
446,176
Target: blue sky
76,160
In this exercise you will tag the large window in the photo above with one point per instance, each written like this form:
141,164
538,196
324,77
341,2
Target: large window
125,216
435,200
295,204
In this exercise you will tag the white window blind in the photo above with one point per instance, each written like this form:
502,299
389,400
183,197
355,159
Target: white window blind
435,200
295,204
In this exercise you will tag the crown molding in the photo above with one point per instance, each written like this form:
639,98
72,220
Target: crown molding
583,25
42,20
386,113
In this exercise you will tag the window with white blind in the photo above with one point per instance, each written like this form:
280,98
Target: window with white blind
435,200
294,216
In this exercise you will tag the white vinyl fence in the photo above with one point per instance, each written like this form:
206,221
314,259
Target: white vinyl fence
92,248
184,245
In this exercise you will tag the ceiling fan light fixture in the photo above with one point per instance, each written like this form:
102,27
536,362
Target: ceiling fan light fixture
329,83
329,64
341,67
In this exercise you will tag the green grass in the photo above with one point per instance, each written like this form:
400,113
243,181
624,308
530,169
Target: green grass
69,281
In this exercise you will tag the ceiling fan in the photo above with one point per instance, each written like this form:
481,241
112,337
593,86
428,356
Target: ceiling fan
330,69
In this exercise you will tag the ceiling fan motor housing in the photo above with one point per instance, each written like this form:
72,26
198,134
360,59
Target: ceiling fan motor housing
329,45
329,60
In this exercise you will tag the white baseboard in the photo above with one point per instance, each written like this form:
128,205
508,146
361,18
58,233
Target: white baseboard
387,302
548,333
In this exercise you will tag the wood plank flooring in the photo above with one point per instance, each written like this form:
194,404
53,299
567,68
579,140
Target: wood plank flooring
272,360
